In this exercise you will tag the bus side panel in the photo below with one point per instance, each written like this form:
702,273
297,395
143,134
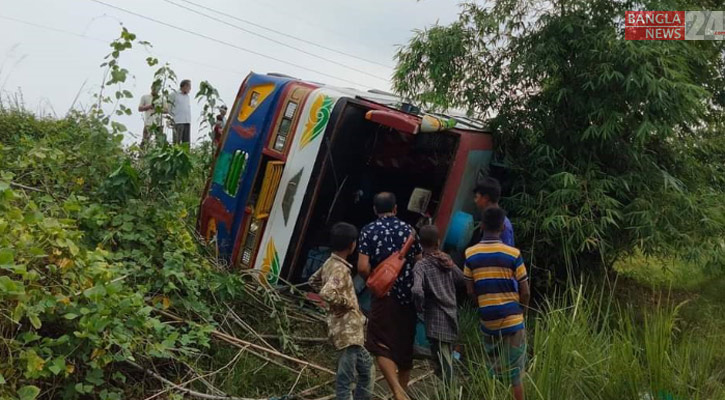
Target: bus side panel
203,224
288,113
294,183
472,158
236,164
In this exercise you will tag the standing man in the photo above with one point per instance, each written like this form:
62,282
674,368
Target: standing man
221,120
498,281
223,113
151,119
487,194
391,328
181,112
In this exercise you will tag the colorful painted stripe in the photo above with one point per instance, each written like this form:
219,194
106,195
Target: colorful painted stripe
317,120
270,266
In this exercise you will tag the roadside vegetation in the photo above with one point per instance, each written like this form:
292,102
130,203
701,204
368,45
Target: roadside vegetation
106,291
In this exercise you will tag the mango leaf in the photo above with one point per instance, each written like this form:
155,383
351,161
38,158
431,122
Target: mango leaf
11,287
34,362
95,377
95,293
29,392
57,366
35,321
6,256
81,388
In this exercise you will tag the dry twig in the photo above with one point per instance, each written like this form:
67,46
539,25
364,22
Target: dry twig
298,338
297,380
200,376
20,186
189,392
235,340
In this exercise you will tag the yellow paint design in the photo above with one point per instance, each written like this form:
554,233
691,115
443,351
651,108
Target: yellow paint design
317,119
211,229
211,232
270,258
270,183
254,97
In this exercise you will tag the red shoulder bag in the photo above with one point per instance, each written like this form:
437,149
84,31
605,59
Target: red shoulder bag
383,277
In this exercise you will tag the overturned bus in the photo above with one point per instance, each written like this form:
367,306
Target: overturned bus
298,156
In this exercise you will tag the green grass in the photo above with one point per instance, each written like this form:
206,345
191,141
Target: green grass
662,273
582,348
657,339
634,341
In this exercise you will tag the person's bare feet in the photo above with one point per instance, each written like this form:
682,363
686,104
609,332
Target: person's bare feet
401,395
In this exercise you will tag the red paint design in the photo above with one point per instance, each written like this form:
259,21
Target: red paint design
395,119
245,133
213,208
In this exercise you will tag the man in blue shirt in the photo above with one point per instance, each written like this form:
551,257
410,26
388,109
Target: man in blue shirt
487,194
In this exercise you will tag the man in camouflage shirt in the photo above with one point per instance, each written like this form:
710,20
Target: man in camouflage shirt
345,321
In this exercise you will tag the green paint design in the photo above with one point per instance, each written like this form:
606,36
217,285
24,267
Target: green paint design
222,168
316,124
236,169
323,116
273,275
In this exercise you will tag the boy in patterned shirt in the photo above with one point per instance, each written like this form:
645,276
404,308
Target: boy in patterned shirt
436,278
345,321
497,278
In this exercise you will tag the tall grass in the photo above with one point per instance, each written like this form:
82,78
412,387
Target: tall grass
585,345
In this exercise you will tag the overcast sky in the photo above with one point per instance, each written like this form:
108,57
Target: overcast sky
58,56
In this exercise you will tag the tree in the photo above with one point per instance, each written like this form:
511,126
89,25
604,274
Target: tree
613,145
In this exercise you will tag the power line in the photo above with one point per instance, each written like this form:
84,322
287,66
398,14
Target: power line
20,21
201,35
286,34
281,43
106,42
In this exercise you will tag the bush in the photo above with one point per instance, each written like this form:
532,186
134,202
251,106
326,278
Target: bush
92,239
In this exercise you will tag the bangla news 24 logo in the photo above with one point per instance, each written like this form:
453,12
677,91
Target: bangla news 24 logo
674,25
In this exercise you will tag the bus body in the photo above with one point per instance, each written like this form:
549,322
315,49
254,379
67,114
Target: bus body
297,156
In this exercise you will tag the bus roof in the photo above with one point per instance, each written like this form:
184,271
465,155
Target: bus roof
394,102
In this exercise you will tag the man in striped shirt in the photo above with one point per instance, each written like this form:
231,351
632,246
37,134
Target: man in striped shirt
497,278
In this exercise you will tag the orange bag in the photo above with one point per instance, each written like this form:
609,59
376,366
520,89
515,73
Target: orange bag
384,275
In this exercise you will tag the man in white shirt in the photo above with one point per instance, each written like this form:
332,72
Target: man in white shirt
151,119
181,112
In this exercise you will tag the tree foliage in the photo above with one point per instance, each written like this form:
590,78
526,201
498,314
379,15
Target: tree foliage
612,145
94,238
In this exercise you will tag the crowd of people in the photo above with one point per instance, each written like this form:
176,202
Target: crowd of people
494,276
178,109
